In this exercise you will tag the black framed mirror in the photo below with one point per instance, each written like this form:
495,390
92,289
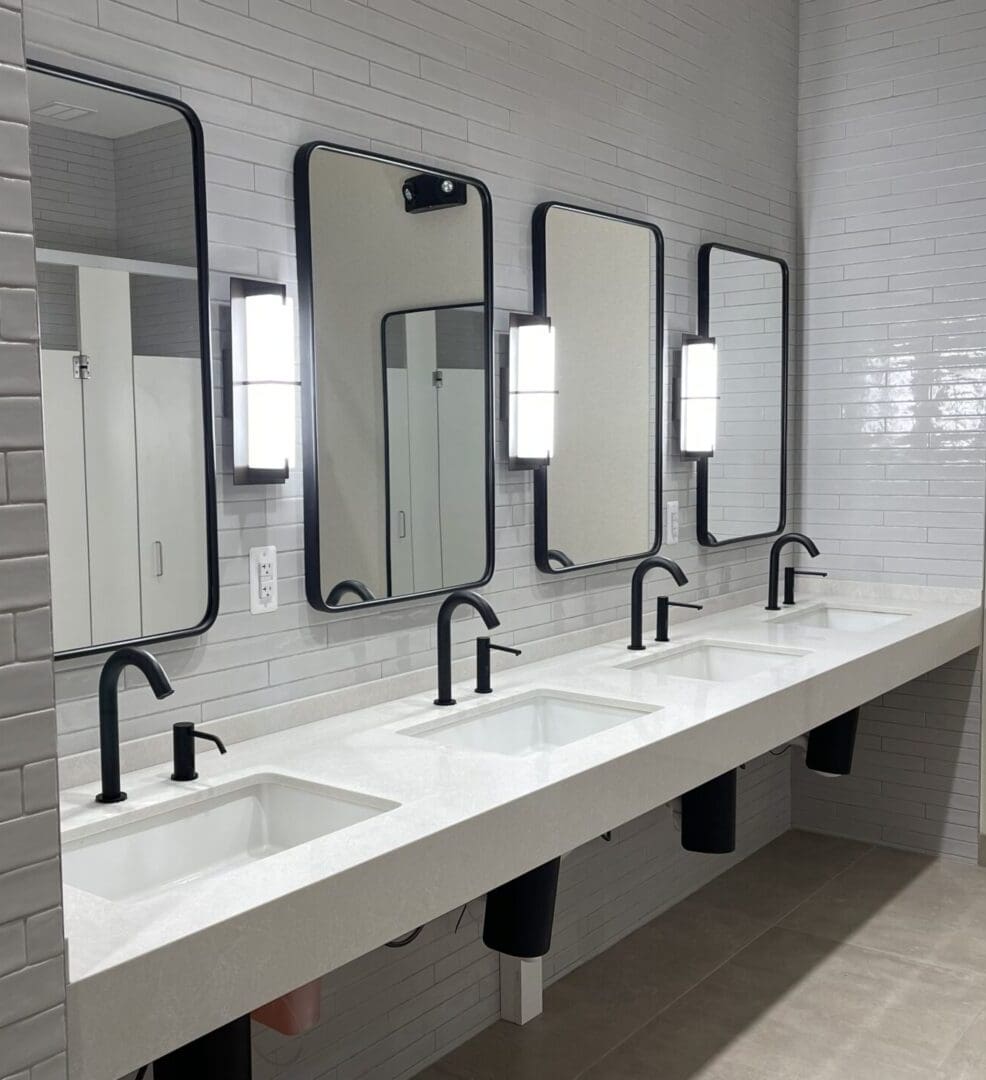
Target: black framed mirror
744,304
396,317
599,277
118,192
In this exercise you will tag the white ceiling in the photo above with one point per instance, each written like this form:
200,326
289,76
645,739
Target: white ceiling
115,115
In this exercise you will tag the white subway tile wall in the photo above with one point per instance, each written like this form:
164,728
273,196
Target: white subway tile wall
891,377
32,977
684,115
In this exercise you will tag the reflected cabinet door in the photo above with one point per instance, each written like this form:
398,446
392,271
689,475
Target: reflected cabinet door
599,278
743,305
396,303
119,222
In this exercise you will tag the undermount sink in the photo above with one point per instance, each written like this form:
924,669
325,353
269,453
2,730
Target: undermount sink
846,619
528,724
231,826
716,661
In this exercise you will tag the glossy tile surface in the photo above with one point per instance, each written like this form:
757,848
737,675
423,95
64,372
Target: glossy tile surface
815,959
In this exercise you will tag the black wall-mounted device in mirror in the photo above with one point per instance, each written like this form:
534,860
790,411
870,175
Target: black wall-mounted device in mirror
118,186
743,301
396,318
599,277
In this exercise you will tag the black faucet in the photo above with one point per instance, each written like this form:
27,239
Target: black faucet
664,604
445,613
654,562
350,585
558,556
775,567
109,714
183,736
484,647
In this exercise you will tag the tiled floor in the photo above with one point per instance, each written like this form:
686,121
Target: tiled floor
815,959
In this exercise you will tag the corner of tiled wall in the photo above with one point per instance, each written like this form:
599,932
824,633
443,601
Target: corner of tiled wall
890,397
32,966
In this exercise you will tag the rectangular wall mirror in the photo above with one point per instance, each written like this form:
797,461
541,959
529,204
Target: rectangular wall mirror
743,305
599,278
119,220
395,298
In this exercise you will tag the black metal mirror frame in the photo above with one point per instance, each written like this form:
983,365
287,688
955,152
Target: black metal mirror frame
544,554
205,351
706,538
309,404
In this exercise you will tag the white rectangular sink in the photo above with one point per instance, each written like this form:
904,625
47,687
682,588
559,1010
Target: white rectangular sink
528,724
847,619
231,826
716,661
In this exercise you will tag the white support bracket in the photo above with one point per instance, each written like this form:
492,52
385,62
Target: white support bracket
521,985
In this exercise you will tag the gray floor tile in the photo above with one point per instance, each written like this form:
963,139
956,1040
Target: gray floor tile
968,1059
915,906
815,959
778,877
603,1002
795,1006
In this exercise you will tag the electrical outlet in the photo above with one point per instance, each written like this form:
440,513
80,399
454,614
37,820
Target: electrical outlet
263,579
674,520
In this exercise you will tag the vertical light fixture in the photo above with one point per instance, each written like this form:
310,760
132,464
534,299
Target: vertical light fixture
531,392
699,396
263,381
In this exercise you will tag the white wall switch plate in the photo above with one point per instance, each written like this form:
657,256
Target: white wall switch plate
263,579
674,521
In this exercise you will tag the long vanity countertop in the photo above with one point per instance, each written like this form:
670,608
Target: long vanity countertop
176,964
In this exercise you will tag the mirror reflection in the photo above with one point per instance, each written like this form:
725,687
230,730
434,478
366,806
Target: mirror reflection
125,374
435,388
743,305
599,279
395,292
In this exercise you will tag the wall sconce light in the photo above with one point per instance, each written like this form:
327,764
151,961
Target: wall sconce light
699,396
262,377
531,392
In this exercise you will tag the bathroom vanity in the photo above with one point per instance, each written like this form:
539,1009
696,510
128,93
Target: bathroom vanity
190,905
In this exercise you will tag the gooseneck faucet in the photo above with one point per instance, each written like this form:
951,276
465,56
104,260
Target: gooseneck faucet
445,613
777,547
109,713
654,562
350,585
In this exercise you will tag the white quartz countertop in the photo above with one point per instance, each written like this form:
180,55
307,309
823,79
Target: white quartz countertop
147,975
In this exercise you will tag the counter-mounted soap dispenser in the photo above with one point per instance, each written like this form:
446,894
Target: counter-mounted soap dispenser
183,736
